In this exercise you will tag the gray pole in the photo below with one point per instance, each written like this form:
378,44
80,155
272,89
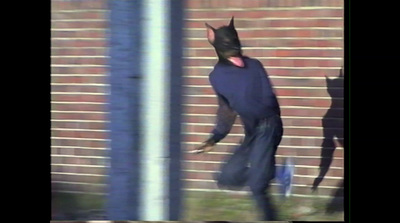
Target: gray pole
155,110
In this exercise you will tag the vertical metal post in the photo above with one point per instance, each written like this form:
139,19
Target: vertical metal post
155,110
124,68
175,100
145,110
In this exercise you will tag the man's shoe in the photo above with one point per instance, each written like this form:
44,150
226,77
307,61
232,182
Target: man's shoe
285,177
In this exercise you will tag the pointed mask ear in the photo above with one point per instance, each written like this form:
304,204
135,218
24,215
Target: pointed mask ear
210,33
328,81
231,23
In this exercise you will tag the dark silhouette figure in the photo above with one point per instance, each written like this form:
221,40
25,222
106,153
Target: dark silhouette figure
331,128
336,204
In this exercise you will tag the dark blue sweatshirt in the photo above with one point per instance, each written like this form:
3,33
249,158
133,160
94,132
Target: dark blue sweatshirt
246,91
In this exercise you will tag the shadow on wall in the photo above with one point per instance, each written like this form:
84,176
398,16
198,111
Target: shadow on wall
332,131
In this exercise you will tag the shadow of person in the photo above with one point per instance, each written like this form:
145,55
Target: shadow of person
336,204
332,128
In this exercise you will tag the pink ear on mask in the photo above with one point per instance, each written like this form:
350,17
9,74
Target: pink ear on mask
210,33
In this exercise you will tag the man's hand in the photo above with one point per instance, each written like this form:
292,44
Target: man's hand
204,147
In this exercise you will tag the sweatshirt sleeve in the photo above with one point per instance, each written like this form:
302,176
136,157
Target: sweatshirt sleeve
224,121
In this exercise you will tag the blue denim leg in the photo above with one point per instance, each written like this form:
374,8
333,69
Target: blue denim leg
262,163
234,172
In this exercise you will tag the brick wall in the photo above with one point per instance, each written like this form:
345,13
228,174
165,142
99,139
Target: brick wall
299,42
78,95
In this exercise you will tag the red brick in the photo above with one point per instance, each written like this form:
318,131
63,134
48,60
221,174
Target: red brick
93,170
261,13
78,98
268,23
308,102
79,125
262,33
80,134
78,107
81,143
273,43
77,5
78,33
79,69
307,92
77,178
79,187
79,79
82,15
78,51
78,43
302,82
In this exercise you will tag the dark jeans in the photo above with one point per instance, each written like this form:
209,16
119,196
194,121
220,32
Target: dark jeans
253,164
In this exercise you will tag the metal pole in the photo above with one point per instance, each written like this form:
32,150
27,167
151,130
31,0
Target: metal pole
124,79
155,110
